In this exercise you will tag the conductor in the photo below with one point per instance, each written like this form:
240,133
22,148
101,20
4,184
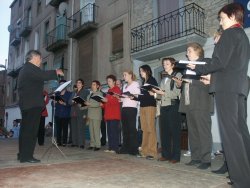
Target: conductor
31,102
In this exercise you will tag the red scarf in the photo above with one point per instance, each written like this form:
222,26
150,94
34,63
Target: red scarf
236,25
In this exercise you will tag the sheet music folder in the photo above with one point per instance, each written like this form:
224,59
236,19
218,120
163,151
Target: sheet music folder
57,98
149,87
79,100
113,93
97,98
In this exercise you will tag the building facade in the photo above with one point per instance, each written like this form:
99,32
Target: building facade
91,39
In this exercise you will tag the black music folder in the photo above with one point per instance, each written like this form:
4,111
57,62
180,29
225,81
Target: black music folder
97,98
149,87
79,100
57,98
113,93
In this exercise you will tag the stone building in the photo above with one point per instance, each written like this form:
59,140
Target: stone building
90,39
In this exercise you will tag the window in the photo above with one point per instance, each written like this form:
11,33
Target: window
45,66
39,6
36,45
117,39
29,16
46,31
26,46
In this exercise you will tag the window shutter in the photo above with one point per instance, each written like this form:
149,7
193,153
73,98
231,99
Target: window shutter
117,39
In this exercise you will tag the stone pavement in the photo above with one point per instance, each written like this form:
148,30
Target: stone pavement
94,169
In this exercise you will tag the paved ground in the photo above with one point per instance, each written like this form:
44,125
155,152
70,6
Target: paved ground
83,168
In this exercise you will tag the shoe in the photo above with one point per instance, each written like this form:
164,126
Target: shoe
82,146
122,151
221,170
193,163
204,166
163,159
229,182
18,157
218,152
72,145
149,157
90,148
139,155
96,149
174,161
133,153
59,144
32,160
187,154
109,151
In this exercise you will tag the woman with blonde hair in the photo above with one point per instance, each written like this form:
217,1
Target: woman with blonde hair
129,113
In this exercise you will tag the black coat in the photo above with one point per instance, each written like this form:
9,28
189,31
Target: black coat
30,85
229,63
200,99
146,99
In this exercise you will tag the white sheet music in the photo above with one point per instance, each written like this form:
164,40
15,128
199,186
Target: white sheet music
61,87
192,62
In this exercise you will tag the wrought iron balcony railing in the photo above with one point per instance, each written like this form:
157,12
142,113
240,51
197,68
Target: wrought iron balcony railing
15,37
57,38
179,23
25,27
83,21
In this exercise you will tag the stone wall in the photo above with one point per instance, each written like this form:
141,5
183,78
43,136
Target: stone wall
211,11
141,12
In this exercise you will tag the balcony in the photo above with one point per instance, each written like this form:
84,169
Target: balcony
83,21
169,33
15,37
57,38
55,3
25,27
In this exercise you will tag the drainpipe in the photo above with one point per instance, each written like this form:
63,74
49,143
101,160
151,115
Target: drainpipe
71,46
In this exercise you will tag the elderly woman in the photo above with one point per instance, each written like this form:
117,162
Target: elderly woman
78,115
229,82
196,103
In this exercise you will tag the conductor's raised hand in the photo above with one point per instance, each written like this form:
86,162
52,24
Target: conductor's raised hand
59,72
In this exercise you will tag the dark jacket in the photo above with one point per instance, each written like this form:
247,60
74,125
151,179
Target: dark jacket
229,63
63,111
30,85
76,111
200,99
146,99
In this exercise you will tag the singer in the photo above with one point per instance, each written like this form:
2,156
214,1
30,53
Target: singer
31,102
229,82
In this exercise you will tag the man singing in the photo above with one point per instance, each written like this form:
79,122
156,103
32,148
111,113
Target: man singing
31,102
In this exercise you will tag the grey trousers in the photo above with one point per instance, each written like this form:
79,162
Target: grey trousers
234,136
94,129
199,135
78,131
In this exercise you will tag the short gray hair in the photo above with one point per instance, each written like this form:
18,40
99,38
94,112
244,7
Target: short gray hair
30,55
